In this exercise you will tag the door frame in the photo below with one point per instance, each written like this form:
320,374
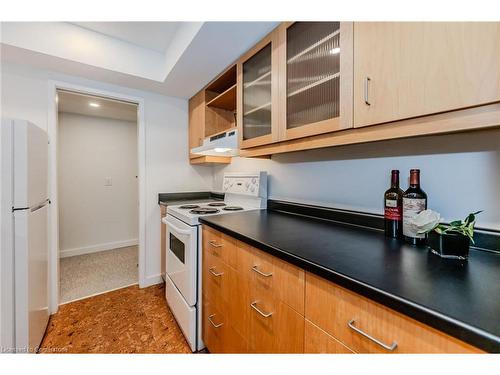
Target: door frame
52,127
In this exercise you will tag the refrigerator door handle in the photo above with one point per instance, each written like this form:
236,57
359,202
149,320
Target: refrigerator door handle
41,205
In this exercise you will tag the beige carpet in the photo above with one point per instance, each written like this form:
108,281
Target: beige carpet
85,275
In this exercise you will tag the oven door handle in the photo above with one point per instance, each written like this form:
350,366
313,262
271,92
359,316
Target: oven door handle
179,230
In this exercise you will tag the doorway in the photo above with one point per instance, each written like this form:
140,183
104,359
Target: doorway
97,184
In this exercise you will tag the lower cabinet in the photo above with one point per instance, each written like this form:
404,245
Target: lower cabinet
317,341
254,302
218,334
368,327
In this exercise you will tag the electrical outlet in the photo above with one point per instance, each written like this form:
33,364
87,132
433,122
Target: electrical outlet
108,181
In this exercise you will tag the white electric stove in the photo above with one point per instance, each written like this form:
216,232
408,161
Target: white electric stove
242,192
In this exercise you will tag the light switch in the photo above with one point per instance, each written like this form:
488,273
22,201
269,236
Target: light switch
108,181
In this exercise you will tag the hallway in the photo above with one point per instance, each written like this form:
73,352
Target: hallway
86,275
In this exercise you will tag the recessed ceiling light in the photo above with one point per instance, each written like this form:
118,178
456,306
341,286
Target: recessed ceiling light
94,104
334,51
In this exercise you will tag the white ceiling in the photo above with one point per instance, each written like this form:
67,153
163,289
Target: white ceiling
152,35
196,51
70,102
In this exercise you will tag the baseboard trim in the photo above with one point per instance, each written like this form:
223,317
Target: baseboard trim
150,280
96,248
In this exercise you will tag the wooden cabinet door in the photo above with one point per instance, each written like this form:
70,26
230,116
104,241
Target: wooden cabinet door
274,326
257,93
410,69
315,78
318,341
368,327
218,334
196,109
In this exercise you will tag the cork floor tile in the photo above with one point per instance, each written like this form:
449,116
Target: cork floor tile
128,320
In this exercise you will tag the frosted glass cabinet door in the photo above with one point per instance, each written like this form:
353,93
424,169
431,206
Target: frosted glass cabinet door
317,76
257,96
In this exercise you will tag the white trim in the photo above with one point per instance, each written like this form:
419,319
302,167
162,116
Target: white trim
98,293
96,248
54,219
152,280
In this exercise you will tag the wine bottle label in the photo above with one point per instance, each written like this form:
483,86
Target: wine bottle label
392,211
411,208
391,203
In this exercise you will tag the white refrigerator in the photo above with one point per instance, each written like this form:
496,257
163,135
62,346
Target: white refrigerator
24,225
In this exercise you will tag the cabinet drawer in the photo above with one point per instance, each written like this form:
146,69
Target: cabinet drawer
218,335
318,341
349,317
274,327
219,245
218,281
273,277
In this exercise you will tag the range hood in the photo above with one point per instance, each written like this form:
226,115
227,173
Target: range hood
222,144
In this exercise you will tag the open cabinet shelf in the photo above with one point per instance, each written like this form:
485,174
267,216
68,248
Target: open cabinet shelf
212,111
226,100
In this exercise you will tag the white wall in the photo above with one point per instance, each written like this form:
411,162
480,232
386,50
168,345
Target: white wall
24,95
460,173
93,216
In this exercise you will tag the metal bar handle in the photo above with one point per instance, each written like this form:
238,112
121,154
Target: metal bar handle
214,244
378,342
367,81
211,321
216,274
256,269
253,305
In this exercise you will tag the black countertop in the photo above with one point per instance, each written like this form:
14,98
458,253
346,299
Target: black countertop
461,298
170,199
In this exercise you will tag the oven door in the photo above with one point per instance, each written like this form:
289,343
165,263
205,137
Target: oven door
182,253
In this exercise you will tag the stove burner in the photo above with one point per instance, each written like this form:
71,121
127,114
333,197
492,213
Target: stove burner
233,208
217,204
204,210
189,206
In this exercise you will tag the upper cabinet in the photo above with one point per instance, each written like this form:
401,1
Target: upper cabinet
258,93
315,76
410,69
296,82
211,112
320,84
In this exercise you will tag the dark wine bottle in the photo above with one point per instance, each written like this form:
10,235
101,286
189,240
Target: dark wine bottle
414,201
393,208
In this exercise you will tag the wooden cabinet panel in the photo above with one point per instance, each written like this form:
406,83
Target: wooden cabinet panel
318,341
409,69
218,282
332,308
273,277
218,335
274,326
219,245
196,108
